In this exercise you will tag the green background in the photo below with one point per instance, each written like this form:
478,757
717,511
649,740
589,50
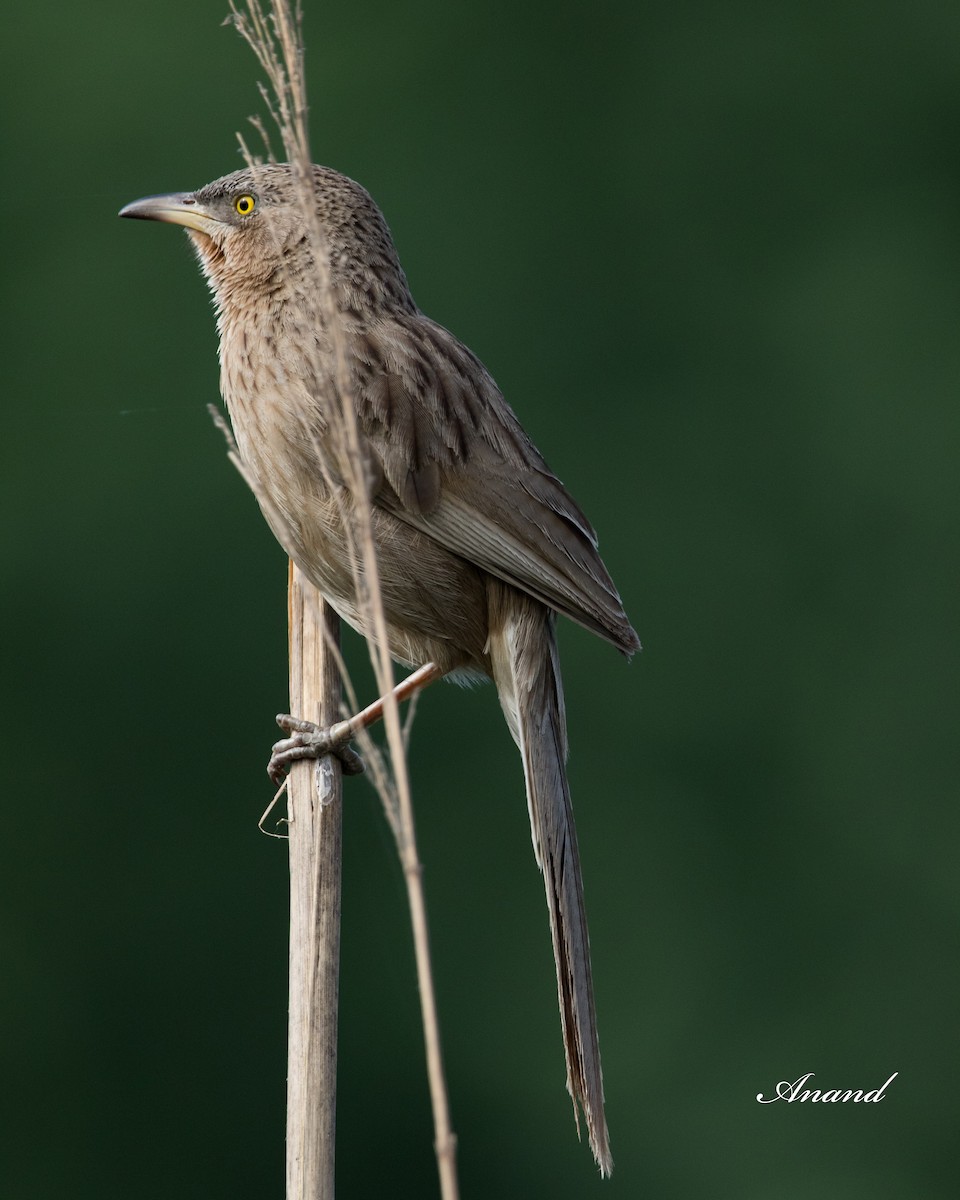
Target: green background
711,252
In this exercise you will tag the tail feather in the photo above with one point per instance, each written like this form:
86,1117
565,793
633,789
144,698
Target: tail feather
527,673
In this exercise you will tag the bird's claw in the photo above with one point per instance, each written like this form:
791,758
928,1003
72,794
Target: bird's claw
308,740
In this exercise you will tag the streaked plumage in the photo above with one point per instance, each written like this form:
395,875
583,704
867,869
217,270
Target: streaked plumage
479,544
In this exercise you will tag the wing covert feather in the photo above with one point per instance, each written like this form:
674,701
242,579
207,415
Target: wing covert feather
458,466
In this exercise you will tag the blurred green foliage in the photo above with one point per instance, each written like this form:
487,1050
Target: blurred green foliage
712,255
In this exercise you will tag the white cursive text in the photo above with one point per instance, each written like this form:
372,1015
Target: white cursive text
798,1091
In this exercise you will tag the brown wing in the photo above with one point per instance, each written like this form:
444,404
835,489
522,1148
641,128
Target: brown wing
461,469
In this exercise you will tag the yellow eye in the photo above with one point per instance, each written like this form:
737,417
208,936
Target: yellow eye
245,204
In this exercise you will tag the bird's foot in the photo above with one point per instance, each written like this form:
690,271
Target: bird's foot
307,740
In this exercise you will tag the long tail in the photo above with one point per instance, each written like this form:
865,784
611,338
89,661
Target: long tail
526,670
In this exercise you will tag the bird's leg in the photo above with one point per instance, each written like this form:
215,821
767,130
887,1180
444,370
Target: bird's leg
308,740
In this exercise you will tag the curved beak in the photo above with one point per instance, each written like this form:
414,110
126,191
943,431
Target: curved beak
178,208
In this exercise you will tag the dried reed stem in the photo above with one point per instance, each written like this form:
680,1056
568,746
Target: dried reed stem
315,834
277,43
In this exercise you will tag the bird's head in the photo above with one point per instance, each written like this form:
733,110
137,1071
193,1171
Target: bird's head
252,236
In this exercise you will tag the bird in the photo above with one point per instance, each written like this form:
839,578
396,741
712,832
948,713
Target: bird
479,545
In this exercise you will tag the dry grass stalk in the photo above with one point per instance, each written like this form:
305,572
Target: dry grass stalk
315,824
276,40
